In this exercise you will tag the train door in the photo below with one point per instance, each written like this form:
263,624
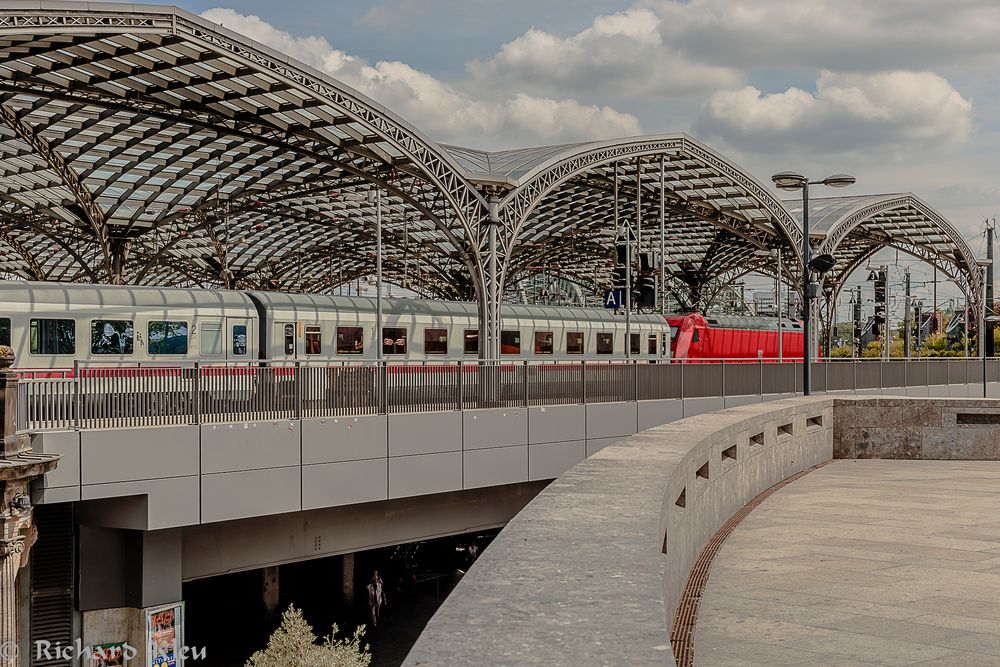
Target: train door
286,341
239,343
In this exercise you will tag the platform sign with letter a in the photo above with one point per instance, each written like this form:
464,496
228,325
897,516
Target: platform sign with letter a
614,298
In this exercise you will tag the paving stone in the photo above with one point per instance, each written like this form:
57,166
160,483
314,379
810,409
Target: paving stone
862,562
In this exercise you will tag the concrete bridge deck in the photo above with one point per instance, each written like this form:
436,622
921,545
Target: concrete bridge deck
873,562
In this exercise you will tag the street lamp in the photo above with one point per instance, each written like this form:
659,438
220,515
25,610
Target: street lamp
789,180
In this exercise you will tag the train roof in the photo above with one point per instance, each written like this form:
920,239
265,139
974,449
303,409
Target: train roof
322,302
75,294
745,322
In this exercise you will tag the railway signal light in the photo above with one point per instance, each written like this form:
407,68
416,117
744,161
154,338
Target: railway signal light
646,290
618,278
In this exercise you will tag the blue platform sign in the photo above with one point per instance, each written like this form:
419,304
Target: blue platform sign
614,298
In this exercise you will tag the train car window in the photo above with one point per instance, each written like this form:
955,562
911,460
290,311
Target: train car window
52,336
635,343
314,339
574,342
393,340
435,341
543,342
510,342
167,337
651,344
111,337
211,339
289,334
350,340
605,343
471,343
5,331
239,340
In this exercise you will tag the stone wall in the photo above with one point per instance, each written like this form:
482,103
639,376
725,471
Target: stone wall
917,428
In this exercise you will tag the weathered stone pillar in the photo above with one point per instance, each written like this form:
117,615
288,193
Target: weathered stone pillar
271,591
347,578
18,467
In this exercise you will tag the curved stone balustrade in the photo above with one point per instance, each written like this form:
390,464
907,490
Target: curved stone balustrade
590,572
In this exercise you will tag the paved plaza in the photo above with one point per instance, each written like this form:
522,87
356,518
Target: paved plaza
862,563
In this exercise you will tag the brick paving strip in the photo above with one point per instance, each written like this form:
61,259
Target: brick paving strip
686,616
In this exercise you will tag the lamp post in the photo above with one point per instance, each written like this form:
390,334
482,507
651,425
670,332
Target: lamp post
789,180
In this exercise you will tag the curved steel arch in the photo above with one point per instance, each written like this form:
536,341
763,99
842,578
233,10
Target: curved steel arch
546,177
961,256
431,165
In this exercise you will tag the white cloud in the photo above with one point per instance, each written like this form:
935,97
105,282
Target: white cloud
854,35
444,112
622,53
848,112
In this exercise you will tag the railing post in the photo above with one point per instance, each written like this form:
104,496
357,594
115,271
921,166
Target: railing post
760,370
583,382
77,396
383,371
297,383
723,392
526,402
458,382
196,397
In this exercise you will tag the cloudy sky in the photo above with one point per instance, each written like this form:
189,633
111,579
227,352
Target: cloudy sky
900,93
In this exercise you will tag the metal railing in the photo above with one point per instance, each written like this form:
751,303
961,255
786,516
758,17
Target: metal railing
159,394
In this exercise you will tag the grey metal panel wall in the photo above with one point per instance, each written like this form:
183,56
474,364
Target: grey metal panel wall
499,427
495,466
736,401
344,483
249,446
425,473
66,475
237,495
605,420
334,439
697,406
549,460
120,455
425,433
557,423
171,502
654,413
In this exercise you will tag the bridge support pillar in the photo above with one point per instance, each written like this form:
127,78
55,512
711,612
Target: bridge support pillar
18,467
271,590
347,578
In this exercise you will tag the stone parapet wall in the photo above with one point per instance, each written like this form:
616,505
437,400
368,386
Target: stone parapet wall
589,573
917,428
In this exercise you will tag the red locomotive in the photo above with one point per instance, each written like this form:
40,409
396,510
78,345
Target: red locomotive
697,336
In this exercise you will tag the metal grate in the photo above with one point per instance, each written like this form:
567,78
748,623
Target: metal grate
52,561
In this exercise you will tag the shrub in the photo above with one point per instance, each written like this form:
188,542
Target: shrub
293,644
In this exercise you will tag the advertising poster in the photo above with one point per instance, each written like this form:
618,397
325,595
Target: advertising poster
163,636
108,655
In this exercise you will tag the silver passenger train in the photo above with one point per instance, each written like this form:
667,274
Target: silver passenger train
51,326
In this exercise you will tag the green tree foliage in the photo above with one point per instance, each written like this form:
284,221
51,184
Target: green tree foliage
293,644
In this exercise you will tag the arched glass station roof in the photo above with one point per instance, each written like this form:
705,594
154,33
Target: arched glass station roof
143,144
